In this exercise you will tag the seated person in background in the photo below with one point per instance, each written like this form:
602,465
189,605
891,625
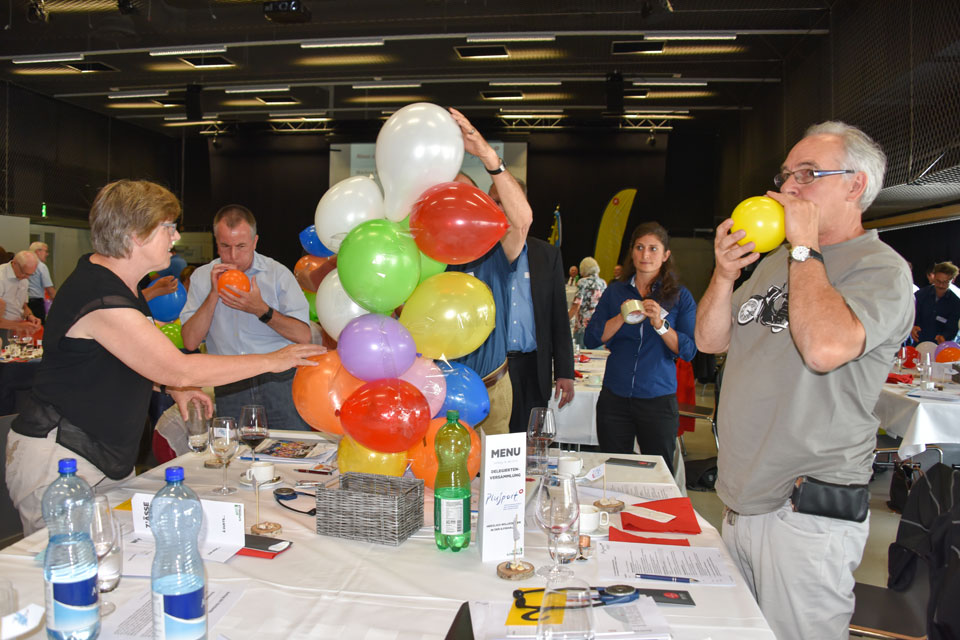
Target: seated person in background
589,289
936,308
617,270
103,356
574,275
638,401
15,314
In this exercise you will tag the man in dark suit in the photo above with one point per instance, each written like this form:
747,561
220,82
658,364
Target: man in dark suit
539,342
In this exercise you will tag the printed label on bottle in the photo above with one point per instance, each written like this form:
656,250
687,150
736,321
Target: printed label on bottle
73,605
180,617
452,515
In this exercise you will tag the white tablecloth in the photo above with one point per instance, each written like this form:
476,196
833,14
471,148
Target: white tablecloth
577,421
330,588
919,421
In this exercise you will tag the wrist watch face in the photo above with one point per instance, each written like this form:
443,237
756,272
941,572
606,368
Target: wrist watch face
800,253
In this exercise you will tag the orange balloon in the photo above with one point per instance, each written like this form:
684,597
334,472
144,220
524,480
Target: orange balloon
423,455
950,354
234,278
320,391
311,270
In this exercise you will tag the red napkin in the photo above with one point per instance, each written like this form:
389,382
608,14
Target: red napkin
622,536
685,522
905,378
583,358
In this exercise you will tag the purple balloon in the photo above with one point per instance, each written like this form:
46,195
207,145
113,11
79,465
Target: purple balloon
374,346
944,345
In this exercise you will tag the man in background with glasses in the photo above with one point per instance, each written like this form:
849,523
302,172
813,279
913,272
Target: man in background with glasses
14,312
798,404
937,308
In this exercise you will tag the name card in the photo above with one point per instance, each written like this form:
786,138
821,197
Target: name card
502,495
221,534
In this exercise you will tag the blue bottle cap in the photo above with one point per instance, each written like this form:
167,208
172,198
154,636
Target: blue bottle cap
67,465
453,415
174,474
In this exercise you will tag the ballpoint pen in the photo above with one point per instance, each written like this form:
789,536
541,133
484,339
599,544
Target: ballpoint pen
650,576
322,472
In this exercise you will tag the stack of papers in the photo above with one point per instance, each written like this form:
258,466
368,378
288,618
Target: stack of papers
297,451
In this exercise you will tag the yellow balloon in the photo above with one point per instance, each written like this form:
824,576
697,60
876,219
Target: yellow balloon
762,218
449,315
352,456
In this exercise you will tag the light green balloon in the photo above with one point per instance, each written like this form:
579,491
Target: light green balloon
379,265
172,331
312,301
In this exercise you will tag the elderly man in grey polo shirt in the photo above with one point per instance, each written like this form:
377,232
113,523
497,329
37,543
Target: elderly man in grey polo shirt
14,312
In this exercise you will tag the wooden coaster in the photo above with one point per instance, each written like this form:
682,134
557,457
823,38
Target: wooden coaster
510,571
266,528
212,463
609,505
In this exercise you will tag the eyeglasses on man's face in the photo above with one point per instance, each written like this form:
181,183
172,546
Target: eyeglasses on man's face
171,227
806,176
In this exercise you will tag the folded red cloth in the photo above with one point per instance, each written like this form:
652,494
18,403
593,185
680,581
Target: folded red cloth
685,521
583,358
622,536
905,378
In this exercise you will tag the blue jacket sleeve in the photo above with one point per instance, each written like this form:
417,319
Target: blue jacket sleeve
594,330
686,320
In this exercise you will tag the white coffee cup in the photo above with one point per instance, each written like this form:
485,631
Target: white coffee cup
260,472
592,518
569,464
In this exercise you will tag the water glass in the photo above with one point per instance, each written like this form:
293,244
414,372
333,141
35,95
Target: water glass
197,435
8,600
925,369
566,546
556,511
566,611
104,534
541,430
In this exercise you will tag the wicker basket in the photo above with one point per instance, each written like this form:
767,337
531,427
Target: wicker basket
371,508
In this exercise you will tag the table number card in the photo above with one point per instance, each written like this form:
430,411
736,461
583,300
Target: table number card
502,494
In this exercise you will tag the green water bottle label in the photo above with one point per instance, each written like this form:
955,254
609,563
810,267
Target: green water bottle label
453,515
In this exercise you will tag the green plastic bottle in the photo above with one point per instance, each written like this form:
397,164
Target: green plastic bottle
451,491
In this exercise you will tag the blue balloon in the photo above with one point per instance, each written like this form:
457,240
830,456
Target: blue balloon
177,265
311,243
466,393
167,308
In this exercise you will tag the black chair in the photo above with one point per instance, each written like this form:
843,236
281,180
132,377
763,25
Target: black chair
886,614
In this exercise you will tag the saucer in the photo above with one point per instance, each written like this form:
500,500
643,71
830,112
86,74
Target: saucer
600,533
266,485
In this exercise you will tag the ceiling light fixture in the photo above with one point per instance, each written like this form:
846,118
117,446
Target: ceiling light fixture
479,52
277,100
301,119
531,115
138,93
659,116
660,36
666,82
188,51
327,43
635,46
50,57
518,111
208,62
386,85
263,88
525,83
298,114
512,37
502,95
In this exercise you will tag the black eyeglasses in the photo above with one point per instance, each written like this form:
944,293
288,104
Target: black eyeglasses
806,176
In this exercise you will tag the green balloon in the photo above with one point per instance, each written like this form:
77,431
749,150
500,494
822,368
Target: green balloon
172,331
312,301
379,265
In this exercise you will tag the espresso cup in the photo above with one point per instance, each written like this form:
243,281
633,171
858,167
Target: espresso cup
592,518
570,464
259,472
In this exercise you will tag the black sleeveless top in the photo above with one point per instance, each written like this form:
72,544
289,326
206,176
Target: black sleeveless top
104,401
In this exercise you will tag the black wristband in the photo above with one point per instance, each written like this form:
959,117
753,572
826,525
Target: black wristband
163,388
500,168
266,317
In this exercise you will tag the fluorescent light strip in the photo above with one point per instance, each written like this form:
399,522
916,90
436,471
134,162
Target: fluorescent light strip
504,110
270,88
187,51
298,114
138,93
387,85
525,83
669,83
658,116
525,116
293,119
53,57
512,37
689,35
341,42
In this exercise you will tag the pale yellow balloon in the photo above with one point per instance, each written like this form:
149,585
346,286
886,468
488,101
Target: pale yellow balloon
449,315
353,456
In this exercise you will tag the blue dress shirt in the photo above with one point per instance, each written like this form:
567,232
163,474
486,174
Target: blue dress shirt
936,317
521,330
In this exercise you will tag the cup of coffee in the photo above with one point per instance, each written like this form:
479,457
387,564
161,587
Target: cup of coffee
592,518
569,464
259,472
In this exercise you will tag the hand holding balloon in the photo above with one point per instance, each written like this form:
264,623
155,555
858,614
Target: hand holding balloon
249,300
473,142
731,256
762,219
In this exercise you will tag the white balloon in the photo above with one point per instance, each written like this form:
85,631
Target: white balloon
334,307
926,347
344,206
418,147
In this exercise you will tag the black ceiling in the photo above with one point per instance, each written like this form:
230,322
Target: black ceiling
564,66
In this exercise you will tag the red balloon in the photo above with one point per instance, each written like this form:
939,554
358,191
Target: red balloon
311,270
319,392
234,278
386,415
455,223
423,455
911,357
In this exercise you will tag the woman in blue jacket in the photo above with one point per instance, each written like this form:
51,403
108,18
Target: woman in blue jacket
638,400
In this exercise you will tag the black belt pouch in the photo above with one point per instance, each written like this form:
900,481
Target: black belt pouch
841,501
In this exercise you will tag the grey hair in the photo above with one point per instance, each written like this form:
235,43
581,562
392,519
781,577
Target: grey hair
36,246
589,267
863,154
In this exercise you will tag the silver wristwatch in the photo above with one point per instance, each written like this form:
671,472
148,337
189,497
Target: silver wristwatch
800,253
663,328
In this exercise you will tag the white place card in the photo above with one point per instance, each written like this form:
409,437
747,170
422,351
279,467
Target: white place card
502,495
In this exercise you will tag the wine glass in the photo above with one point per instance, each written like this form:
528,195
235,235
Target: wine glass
556,510
224,442
566,611
198,436
541,430
900,359
253,426
104,533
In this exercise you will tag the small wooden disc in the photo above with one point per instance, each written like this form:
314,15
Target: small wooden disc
212,463
266,528
510,571
609,505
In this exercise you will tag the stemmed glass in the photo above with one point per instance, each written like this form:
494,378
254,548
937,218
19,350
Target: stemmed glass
900,359
106,537
224,442
253,426
541,430
197,434
556,510
566,611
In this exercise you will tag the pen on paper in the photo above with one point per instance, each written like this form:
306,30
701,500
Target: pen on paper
316,471
650,576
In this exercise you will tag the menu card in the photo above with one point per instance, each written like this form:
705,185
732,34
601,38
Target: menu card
502,495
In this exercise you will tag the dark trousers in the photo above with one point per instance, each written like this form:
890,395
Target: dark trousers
36,306
652,422
526,388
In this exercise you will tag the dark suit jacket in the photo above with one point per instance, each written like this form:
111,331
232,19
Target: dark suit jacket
554,341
